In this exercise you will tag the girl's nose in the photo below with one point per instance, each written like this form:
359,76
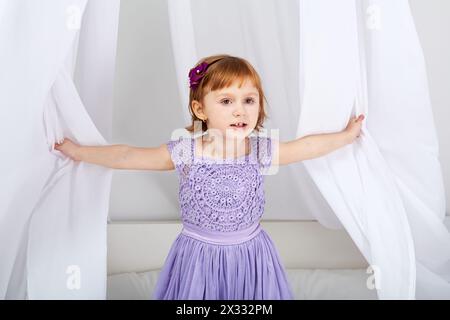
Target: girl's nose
240,110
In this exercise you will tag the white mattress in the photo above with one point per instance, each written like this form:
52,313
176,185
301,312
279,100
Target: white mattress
321,284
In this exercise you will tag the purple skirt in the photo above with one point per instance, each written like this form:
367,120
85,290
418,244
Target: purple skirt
207,265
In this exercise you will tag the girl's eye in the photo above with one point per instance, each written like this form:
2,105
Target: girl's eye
225,101
250,100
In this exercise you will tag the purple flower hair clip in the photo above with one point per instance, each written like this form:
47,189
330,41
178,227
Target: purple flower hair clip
196,74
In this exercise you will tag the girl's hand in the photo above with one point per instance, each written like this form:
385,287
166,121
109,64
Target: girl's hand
68,148
353,128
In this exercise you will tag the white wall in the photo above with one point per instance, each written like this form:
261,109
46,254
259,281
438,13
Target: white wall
146,107
146,96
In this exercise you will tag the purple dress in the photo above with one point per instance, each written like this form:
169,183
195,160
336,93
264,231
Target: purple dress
222,253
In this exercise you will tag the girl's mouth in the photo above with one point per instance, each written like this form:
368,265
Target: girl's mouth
239,125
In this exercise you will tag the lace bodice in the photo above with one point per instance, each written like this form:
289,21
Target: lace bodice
221,195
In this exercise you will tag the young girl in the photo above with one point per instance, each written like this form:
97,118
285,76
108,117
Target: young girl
221,252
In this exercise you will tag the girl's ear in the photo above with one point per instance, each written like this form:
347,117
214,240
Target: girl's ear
197,108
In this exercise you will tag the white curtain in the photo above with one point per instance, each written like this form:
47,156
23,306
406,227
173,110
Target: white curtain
321,62
53,211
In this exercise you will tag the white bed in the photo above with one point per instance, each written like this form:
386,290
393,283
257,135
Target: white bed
320,263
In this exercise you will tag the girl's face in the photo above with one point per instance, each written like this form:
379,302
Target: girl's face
228,108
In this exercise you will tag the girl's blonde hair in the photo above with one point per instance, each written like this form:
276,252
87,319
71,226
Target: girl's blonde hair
224,71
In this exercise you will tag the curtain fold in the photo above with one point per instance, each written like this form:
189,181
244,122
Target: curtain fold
53,211
401,123
183,41
355,180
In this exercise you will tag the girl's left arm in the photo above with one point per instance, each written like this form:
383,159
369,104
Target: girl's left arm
316,145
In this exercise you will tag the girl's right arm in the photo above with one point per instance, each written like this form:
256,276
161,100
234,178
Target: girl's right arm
119,156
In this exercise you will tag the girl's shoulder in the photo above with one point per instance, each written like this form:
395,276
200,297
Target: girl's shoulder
181,148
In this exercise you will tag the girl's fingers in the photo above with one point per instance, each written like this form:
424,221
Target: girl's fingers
359,118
